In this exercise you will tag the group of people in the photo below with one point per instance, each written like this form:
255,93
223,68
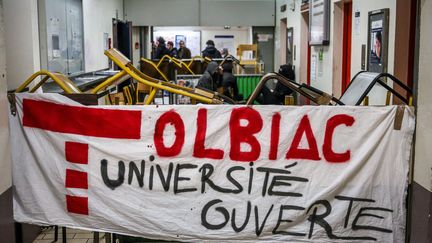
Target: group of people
221,76
161,49
216,76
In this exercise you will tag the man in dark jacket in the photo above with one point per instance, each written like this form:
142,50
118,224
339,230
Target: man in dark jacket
211,77
183,51
286,70
277,96
211,51
161,49
229,82
172,50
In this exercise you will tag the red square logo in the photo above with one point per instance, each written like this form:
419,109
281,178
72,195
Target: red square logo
76,179
78,205
76,152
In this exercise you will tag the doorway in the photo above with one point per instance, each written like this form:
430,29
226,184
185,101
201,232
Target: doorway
305,53
342,38
265,45
122,37
405,45
122,41
304,49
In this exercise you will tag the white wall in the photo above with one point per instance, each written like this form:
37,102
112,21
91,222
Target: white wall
279,16
162,12
293,20
200,12
135,39
5,165
325,68
237,12
22,40
423,151
98,15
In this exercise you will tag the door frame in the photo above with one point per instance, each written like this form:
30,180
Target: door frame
346,43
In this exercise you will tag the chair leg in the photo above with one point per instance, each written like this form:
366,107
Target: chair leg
107,237
95,237
18,233
64,234
55,233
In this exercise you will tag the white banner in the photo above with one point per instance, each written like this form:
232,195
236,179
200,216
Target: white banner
213,173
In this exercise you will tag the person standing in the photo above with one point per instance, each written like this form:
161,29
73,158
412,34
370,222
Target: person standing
211,51
225,52
211,78
277,96
172,50
183,51
229,82
161,49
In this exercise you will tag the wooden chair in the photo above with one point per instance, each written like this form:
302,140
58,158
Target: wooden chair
151,69
117,99
142,90
198,64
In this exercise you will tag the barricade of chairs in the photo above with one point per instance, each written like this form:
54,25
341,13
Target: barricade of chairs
150,79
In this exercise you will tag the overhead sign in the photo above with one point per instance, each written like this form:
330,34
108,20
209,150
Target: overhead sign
196,173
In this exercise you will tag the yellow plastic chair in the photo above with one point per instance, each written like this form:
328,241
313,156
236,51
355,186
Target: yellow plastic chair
60,79
148,67
198,64
178,63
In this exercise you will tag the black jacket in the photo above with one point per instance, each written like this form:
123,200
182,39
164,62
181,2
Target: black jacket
173,52
277,96
184,53
229,83
161,51
210,78
212,52
269,97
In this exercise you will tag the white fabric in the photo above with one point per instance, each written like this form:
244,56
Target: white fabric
377,170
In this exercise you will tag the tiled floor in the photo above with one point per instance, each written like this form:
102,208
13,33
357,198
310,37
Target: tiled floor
72,236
